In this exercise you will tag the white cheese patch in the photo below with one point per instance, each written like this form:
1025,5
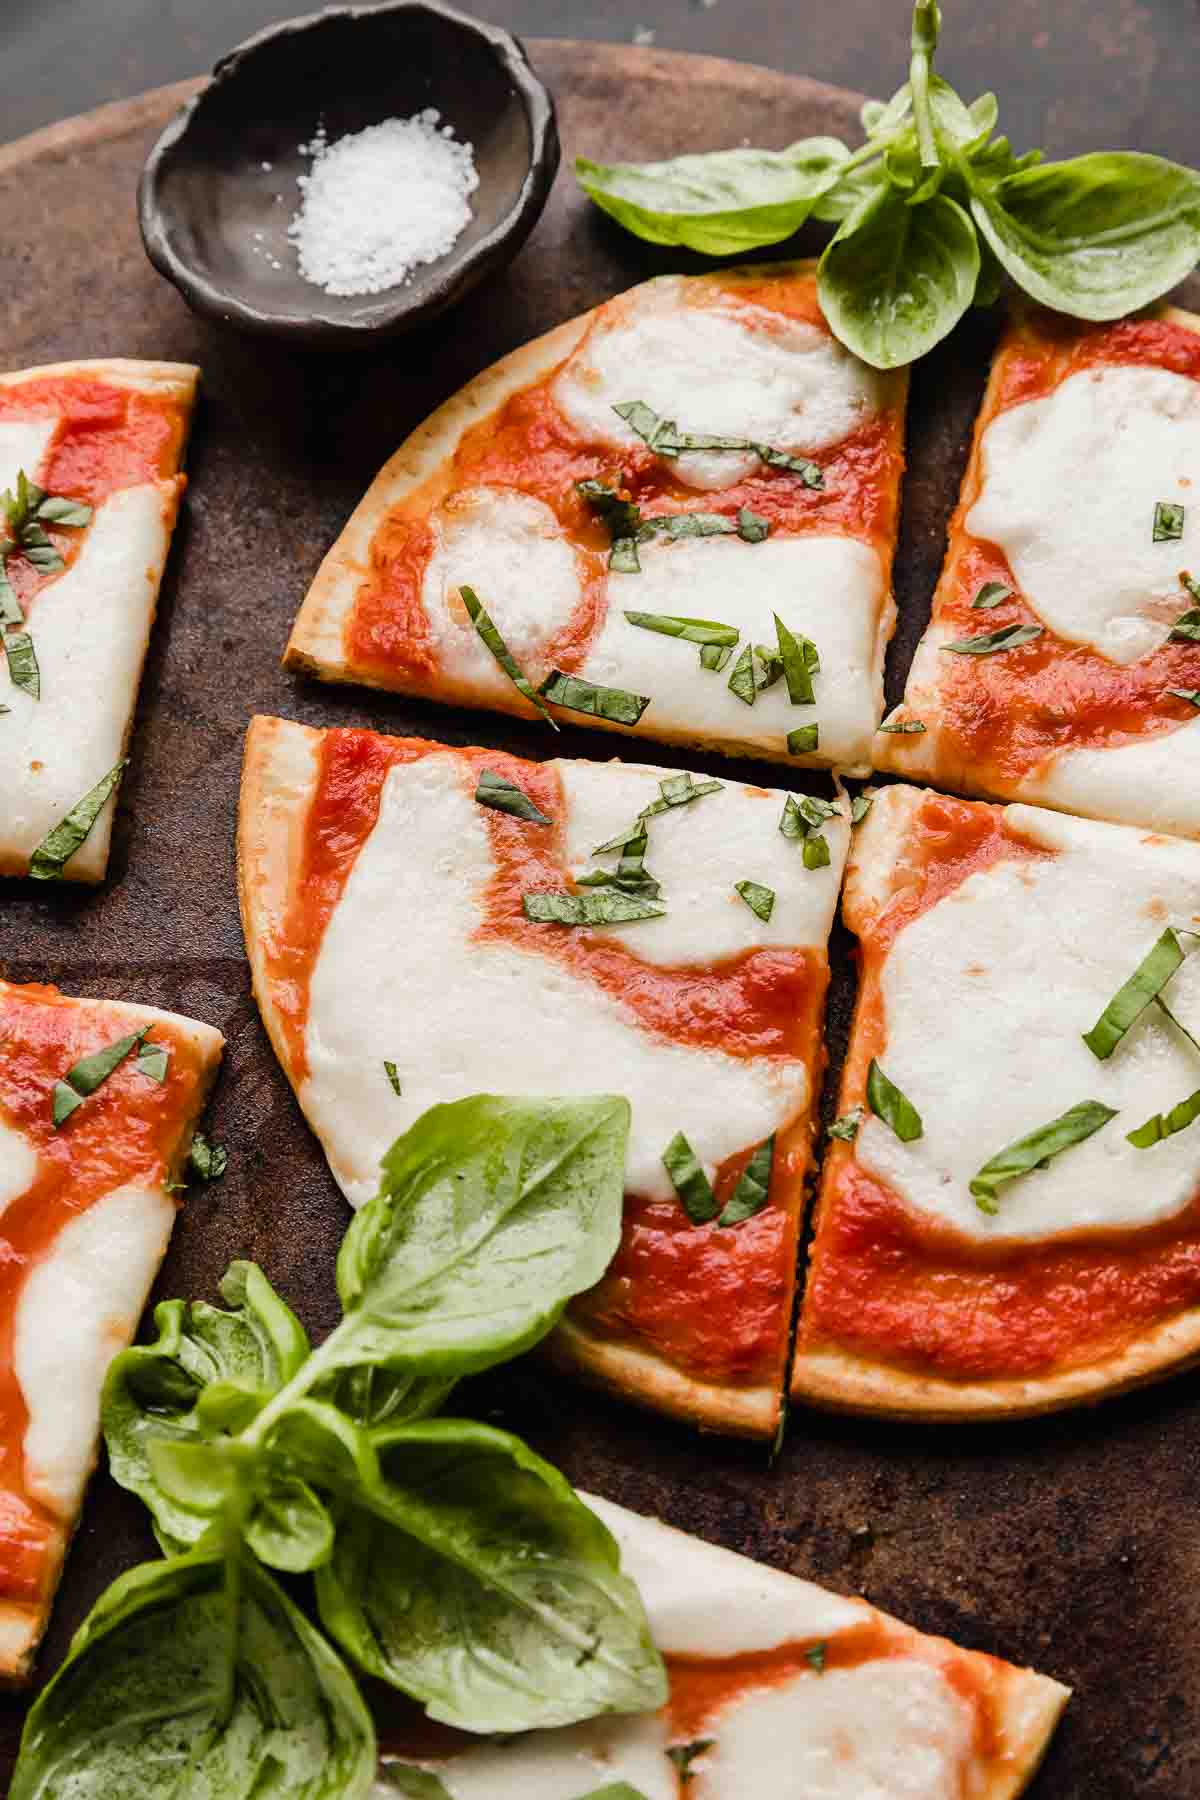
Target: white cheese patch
23,445
1070,484
1152,781
697,852
560,1765
18,1165
78,1306
887,1730
90,628
1027,953
702,1600
510,549
831,589
401,974
729,369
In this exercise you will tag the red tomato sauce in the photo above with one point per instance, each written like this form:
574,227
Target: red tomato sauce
126,1131
715,1299
1009,714
890,1285
107,438
530,447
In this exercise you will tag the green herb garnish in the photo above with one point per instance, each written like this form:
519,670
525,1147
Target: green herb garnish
608,907
860,806
715,656
393,1075
799,657
904,727
889,1104
992,593
1165,1125
760,900
152,1061
89,1073
752,527
1168,521
846,1128
59,846
484,626
802,741
497,791
742,682
664,437
693,631
1035,1150
23,668
1144,985
815,1657
684,1755
208,1161
689,1181
615,704
753,1186
1008,637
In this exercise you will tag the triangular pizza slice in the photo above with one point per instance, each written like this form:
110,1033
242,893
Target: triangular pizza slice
673,516
425,923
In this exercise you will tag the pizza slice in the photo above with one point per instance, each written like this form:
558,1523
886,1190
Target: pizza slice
778,1689
1062,662
89,487
425,923
673,516
1009,1215
98,1102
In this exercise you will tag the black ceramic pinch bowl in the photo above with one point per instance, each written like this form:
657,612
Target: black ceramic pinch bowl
219,187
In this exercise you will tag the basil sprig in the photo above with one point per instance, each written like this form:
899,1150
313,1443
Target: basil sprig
1035,1149
58,846
933,211
450,1561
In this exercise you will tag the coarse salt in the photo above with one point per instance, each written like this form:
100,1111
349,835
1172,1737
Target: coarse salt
378,203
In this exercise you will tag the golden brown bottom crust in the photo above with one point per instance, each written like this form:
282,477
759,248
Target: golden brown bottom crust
649,1380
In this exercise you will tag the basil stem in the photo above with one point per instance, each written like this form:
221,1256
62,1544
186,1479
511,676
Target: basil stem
1007,637
689,1181
497,791
59,846
615,704
1036,1148
889,1104
1131,999
500,650
753,1186
759,899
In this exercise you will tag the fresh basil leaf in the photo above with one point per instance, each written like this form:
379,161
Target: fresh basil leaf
1036,1148
815,1656
1168,517
152,1061
753,1186
90,1072
1096,237
989,595
795,650
987,643
889,1104
688,525
197,1673
1131,999
905,727
393,1075
897,278
846,1128
63,1101
1191,695
208,1161
802,741
1165,1125
616,704
500,650
375,1396
289,1526
752,528
608,907
57,511
715,656
684,1755
621,514
694,631
720,203
1186,629
472,1578
760,900
742,682
492,1213
23,669
816,851
860,806
506,797
689,1181
59,846
410,1783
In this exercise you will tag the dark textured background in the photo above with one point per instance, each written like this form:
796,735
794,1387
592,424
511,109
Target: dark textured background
1072,1543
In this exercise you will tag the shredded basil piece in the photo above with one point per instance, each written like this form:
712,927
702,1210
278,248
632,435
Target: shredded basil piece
688,525
1131,999
1186,629
801,741
759,899
621,514
90,1072
152,1061
1007,637
689,1181
797,668
500,650
804,813
409,1783
751,526
904,726
208,1161
753,1186
679,790
694,631
742,682
607,907
846,1128
816,851
1034,1150
715,656
815,1657
10,608
393,1075
664,437
576,695
990,594
860,806
24,515
496,790
1168,521
889,1104
771,664
23,668
59,846
1192,695
684,1755
63,1101
1165,1125
630,874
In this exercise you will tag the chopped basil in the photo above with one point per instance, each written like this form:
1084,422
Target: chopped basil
630,874
904,726
59,846
753,1186
500,650
771,665
694,631
860,806
1192,695
406,1782
805,813
664,437
742,682
797,667
24,515
10,610
393,1075
752,527
607,907
990,594
1130,1000
576,695
715,656
621,514
152,1061
1186,629
801,741
889,1104
846,1128
689,1181
208,1161
816,851
673,790
684,1755
1007,637
89,1073
1168,521
815,1657
759,899
688,524
496,790
1165,1125
1034,1150
22,663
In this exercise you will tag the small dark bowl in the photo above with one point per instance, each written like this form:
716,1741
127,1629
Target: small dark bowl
211,215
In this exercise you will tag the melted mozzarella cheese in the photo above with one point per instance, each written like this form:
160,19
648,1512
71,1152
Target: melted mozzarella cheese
559,1765
986,996
23,444
697,852
1070,485
886,1730
78,1306
18,1165
510,549
89,628
729,369
402,974
1152,781
832,589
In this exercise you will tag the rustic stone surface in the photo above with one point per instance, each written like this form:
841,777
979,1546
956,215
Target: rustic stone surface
1071,1543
